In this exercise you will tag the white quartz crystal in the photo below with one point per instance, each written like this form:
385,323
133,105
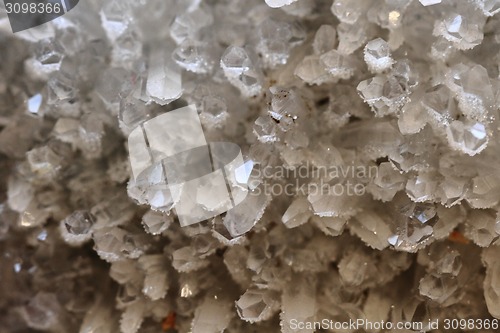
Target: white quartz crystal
298,213
464,32
250,166
164,77
429,2
469,137
349,11
325,39
378,55
257,305
240,71
298,302
212,316
491,286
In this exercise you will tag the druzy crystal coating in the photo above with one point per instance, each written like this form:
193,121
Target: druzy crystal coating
246,165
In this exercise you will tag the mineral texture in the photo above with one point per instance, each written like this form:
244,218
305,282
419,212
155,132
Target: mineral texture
251,166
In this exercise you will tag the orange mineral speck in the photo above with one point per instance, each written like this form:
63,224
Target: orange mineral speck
169,322
458,237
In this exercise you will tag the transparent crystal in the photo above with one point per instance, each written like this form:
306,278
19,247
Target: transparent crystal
372,228
285,106
387,183
112,86
276,39
464,32
422,187
473,101
115,18
91,134
164,83
468,136
61,90
331,226
48,56
194,56
279,3
214,111
212,105
454,191
79,222
42,312
329,204
156,281
240,71
481,227
349,11
257,305
384,94
156,222
354,268
378,56
440,104
45,162
127,48
351,36
438,288
132,113
265,129
325,39
97,319
186,260
450,263
301,9
244,216
212,316
442,49
20,193
282,86
489,7
415,228
413,117
491,283
132,318
190,23
297,214
338,65
298,302
110,244
34,103
389,14
429,2
312,70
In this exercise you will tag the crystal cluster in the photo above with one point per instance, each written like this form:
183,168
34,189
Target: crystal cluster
369,133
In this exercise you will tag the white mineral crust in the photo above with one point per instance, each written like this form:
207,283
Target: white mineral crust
247,165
